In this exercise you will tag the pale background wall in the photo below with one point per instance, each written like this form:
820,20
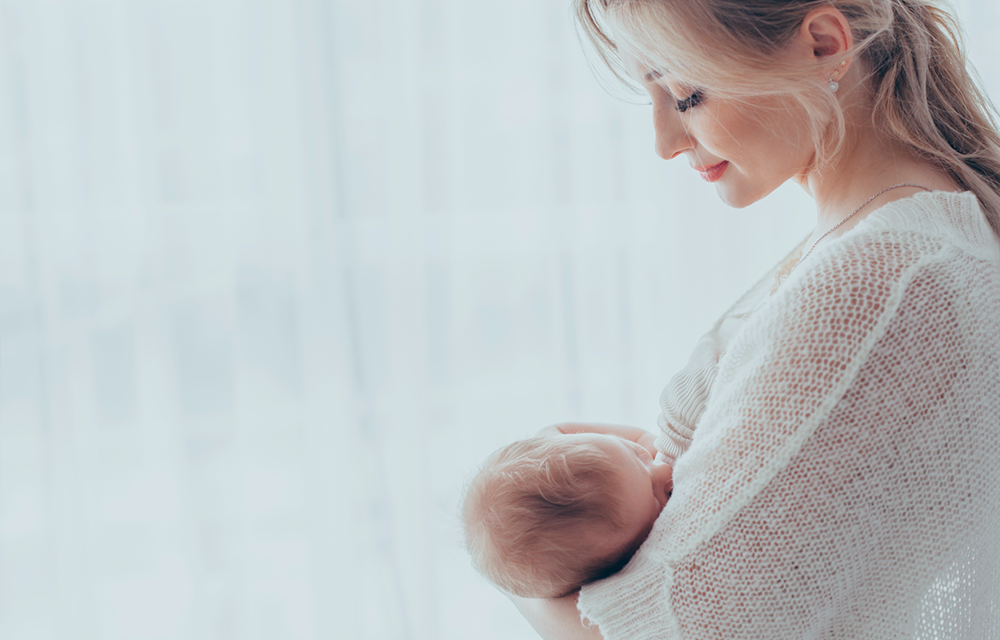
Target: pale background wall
275,275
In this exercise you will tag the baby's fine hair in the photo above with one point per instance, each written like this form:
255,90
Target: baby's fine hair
526,511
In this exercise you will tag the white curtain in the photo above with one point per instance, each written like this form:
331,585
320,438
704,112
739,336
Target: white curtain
276,275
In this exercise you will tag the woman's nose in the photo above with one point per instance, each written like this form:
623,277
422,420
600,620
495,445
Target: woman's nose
672,138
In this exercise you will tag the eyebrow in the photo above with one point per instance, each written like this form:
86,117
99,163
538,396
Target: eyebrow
652,75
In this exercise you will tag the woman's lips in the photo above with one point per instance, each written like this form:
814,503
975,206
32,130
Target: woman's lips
713,172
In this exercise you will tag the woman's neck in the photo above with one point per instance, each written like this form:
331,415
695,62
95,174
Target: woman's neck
867,164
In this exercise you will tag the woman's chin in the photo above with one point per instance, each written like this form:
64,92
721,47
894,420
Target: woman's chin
735,198
739,195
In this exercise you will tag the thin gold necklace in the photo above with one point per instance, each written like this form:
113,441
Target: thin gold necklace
783,276
838,225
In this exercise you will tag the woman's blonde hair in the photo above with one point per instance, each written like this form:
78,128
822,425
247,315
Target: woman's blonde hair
922,95
528,510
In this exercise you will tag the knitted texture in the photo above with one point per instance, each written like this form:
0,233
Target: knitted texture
843,478
685,396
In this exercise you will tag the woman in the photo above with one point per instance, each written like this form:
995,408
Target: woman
842,480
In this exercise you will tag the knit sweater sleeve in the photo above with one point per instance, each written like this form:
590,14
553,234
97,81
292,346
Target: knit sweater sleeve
843,473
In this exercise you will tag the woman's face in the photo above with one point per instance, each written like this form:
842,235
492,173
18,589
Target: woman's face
746,147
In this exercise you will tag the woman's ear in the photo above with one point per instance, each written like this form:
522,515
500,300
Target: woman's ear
823,37
824,32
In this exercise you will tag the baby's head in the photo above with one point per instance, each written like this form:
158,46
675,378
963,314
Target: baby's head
549,514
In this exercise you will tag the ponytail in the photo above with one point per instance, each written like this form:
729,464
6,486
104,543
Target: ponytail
925,98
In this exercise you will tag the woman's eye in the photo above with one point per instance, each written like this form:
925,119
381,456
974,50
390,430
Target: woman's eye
691,101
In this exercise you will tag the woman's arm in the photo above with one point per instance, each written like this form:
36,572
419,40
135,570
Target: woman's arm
556,618
633,434
807,507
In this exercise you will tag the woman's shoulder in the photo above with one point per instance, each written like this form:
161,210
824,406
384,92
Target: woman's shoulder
926,222
936,243
897,240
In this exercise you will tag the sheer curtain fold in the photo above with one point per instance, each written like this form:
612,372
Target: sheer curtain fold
274,278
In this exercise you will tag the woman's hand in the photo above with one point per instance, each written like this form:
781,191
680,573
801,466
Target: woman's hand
556,618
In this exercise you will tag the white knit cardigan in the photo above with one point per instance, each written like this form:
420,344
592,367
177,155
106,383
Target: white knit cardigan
843,474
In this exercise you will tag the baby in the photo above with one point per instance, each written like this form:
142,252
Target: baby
547,515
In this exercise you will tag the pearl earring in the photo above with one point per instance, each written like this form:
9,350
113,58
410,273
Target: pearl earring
833,85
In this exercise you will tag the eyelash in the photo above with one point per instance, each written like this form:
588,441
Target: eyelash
691,101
